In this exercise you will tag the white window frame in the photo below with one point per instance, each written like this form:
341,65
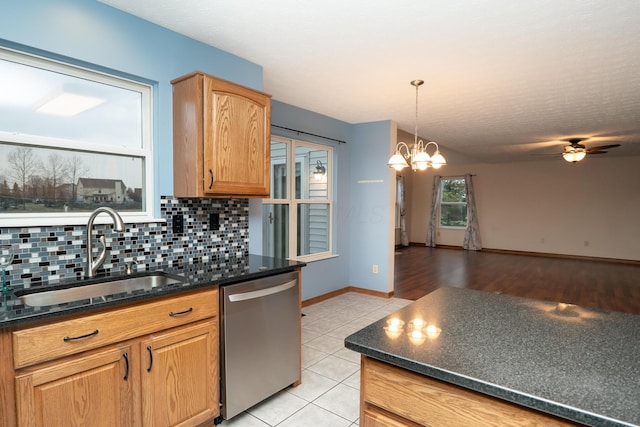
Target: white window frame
440,203
145,151
293,203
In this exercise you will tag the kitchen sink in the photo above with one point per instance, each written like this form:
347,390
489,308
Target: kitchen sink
95,288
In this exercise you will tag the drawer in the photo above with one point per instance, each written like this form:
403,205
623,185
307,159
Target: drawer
435,403
66,337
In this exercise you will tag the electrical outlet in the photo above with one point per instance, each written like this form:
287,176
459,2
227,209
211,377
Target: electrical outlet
178,224
214,221
375,268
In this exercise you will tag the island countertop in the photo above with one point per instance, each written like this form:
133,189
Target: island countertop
577,363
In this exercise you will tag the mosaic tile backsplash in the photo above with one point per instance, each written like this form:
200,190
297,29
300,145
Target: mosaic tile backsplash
52,253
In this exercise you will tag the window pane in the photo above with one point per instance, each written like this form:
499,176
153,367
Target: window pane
278,170
313,228
453,215
275,230
35,102
34,179
311,173
453,190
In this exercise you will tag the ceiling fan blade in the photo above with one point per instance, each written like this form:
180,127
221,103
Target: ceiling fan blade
601,147
596,152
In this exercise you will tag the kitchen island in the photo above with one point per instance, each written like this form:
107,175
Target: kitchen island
478,358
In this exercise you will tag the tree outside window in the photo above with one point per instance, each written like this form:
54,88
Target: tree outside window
453,202
72,139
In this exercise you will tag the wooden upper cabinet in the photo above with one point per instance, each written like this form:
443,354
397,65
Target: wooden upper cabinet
221,138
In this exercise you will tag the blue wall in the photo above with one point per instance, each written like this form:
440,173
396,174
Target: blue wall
320,277
370,215
93,33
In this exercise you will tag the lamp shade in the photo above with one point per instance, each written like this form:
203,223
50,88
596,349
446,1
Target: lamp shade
437,160
397,161
574,155
421,160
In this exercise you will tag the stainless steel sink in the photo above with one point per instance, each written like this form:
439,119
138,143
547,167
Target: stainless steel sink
94,289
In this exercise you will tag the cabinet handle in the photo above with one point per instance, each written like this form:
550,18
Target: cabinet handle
150,358
211,175
178,313
67,339
126,361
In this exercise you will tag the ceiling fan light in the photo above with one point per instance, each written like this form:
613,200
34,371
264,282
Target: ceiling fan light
573,156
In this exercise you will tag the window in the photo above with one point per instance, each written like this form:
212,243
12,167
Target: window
453,202
297,218
71,139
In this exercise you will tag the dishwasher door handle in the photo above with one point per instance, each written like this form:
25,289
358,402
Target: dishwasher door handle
262,292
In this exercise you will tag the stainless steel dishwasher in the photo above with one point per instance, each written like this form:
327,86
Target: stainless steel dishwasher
260,340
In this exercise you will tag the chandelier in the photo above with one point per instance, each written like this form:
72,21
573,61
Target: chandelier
417,154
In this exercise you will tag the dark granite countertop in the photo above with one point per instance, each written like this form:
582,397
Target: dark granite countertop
213,273
577,363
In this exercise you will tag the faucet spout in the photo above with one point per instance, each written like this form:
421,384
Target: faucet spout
92,265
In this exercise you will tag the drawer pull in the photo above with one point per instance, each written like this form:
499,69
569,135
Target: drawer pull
150,358
178,313
126,361
67,339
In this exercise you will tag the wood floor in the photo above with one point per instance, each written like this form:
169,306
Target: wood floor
610,286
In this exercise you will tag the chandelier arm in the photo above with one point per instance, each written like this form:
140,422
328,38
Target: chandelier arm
400,145
429,143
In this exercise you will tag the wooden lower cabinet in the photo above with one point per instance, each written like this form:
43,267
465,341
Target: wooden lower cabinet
394,397
167,376
180,376
93,390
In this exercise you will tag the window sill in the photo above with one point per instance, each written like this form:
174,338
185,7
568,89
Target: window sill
313,258
73,219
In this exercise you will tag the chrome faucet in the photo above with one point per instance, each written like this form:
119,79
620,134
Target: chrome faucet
118,225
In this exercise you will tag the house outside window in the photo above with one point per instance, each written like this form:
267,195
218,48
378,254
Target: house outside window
453,203
71,139
297,218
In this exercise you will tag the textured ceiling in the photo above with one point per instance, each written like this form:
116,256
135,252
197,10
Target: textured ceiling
504,80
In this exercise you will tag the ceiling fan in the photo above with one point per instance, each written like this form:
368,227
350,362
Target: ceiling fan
575,151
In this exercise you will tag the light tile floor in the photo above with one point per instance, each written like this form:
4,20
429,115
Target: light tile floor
330,391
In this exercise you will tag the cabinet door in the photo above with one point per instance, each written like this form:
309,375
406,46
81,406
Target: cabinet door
85,390
180,376
237,137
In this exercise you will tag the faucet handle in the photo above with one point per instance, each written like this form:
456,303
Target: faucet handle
129,265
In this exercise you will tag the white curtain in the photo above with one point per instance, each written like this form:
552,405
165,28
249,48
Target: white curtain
404,239
435,197
472,234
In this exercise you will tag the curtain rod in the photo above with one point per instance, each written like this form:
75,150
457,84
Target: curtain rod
307,133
